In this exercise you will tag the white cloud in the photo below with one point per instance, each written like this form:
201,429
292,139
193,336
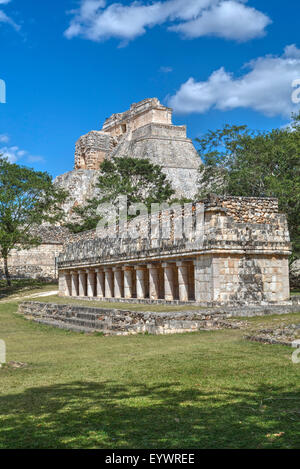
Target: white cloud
230,19
3,137
4,18
266,88
15,154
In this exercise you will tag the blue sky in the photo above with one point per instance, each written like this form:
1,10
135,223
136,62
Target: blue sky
68,65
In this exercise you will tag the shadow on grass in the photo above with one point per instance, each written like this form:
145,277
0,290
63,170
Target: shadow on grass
107,415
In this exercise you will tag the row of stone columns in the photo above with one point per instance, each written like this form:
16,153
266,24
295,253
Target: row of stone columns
169,281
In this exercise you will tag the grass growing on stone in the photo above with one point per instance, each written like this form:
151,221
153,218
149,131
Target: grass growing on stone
201,390
118,305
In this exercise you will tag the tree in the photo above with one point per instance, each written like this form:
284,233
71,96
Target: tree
138,179
27,199
241,162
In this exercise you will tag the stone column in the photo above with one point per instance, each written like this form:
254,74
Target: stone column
100,283
168,281
61,283
140,281
65,286
118,282
82,283
75,284
183,281
203,279
90,283
153,281
109,283
128,281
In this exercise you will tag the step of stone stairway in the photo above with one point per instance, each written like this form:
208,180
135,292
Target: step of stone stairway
67,326
65,315
81,322
80,328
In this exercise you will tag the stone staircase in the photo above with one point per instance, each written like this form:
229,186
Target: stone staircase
118,322
75,319
87,319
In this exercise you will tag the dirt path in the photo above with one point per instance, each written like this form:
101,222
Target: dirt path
33,295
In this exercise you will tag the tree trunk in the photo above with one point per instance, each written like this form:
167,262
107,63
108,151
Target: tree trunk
7,276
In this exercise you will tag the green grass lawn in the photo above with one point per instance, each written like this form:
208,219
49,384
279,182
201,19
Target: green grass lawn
200,390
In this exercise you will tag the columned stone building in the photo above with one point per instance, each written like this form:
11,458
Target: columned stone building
221,251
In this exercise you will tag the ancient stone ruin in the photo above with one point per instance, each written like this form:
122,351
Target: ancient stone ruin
38,262
144,131
220,251
241,254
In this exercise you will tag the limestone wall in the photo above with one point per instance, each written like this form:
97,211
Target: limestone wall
139,114
242,278
92,149
37,263
249,209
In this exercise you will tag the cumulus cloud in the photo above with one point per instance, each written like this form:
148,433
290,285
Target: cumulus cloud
3,137
266,87
4,18
14,153
230,19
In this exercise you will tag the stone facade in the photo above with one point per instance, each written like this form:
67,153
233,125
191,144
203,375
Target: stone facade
38,262
92,149
209,253
145,112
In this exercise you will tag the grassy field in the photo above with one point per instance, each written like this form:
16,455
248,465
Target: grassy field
24,287
201,390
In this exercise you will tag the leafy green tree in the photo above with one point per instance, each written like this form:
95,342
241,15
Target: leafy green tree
138,179
241,162
27,199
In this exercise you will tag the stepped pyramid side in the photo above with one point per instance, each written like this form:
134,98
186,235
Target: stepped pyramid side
144,131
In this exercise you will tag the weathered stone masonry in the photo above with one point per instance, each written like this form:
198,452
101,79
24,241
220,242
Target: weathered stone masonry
235,250
38,262
123,322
